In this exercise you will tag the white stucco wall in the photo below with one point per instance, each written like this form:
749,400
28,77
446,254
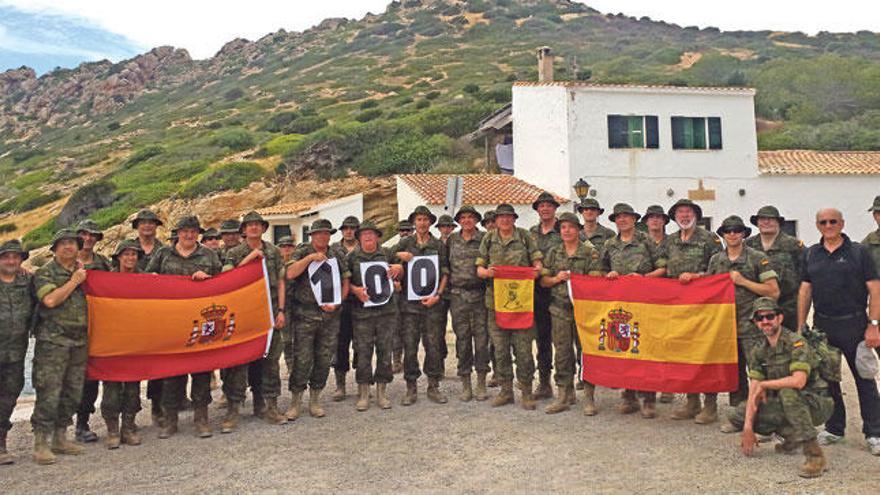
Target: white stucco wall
541,153
335,211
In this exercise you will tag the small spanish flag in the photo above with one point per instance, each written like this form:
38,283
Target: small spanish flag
145,326
514,288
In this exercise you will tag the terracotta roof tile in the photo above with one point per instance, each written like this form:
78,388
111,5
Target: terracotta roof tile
288,208
810,162
478,189
643,87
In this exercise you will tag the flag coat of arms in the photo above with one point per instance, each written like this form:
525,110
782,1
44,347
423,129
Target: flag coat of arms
514,292
657,334
146,326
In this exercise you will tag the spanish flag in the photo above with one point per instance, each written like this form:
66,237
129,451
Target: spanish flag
145,326
657,334
514,289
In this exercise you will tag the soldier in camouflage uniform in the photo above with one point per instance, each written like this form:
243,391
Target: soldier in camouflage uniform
342,362
753,277
546,236
445,225
593,231
509,245
315,326
123,397
211,239
422,319
569,256
488,223
230,234
17,301
189,258
61,350
373,325
787,395
655,220
467,293
253,226
687,257
287,246
404,229
873,239
784,252
632,253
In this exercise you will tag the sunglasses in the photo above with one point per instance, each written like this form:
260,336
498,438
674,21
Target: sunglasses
735,230
832,221
765,317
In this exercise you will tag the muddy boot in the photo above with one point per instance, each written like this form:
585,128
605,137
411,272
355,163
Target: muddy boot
786,447
480,390
230,421
272,415
5,456
467,393
397,362
527,398
169,424
295,405
544,390
649,410
259,405
434,393
505,396
815,463
42,453
200,419
339,393
381,397
156,413
129,432
562,401
628,404
411,394
590,408
84,433
493,381
667,398
709,414
363,402
61,445
315,408
112,441
690,409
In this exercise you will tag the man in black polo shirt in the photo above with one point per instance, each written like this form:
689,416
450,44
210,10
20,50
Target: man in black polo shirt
838,277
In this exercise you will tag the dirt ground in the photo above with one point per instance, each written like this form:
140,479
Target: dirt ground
452,448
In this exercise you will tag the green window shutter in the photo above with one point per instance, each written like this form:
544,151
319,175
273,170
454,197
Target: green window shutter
636,133
652,136
699,128
714,133
688,133
617,131
678,139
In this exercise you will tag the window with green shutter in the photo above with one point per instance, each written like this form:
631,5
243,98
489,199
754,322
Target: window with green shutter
633,131
689,133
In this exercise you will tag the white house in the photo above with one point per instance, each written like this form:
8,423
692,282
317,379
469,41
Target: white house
654,144
295,218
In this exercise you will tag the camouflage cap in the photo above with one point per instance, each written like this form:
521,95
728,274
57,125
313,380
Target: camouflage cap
211,233
321,225
590,204
731,223
285,241
505,209
351,221
65,234
876,206
404,225
422,210
685,202
488,217
129,244
765,304
91,227
766,212
173,235
468,209
145,215
14,246
545,197
367,225
623,209
570,218
446,221
230,227
252,216
189,222
655,210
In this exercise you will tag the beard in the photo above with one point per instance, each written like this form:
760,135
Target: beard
686,225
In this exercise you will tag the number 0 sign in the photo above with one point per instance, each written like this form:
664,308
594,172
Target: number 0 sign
374,275
422,277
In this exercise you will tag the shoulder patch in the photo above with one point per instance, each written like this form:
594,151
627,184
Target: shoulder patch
798,343
717,240
765,261
800,243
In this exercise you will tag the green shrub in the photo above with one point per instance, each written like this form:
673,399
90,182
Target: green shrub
279,121
234,139
454,120
281,145
40,236
368,115
233,94
432,95
229,176
406,153
423,104
143,155
306,125
113,126
471,89
34,178
367,104
28,200
7,228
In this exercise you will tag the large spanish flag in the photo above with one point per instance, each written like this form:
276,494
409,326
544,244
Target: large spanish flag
145,326
657,334
514,289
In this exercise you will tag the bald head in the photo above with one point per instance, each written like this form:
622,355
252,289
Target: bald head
829,223
829,213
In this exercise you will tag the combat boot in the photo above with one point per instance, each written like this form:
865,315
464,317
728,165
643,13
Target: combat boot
381,397
649,411
667,398
527,398
505,396
156,413
590,408
434,393
786,447
480,390
315,409
544,390
169,424
569,391
272,415
467,393
561,403
5,456
259,404
628,404
200,418
129,432
61,445
411,395
339,393
112,441
709,414
815,463
397,362
84,433
363,402
42,453
230,421
690,409
295,405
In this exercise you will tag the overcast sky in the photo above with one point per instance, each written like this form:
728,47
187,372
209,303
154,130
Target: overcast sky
202,26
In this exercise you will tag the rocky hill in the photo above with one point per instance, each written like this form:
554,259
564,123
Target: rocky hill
388,93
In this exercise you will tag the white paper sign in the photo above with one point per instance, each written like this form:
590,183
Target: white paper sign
374,275
325,281
422,277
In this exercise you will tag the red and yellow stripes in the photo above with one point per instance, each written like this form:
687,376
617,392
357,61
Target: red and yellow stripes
514,297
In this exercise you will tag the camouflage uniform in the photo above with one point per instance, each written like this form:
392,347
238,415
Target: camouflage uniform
467,293
872,240
17,300
121,397
144,260
342,360
543,322
599,236
785,259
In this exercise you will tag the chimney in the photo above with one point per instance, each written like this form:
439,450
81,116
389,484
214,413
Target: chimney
545,64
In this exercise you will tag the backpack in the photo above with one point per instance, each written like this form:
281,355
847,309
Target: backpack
828,355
